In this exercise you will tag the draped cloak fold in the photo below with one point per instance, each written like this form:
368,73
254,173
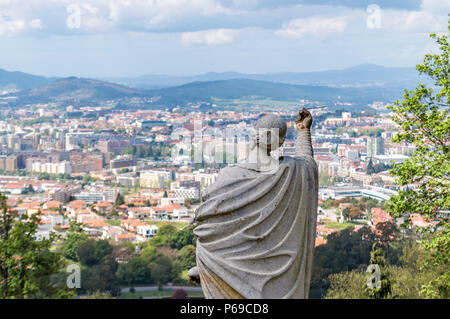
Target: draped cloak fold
256,231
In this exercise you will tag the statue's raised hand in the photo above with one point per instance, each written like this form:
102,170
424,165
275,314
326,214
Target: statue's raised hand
303,120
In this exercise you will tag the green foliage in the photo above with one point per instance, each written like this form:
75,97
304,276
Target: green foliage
120,200
155,150
385,289
92,252
369,169
182,238
26,264
161,269
163,235
186,258
424,122
344,251
352,212
71,243
409,277
101,277
135,271
347,285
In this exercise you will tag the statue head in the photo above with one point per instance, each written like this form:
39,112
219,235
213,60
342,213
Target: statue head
270,132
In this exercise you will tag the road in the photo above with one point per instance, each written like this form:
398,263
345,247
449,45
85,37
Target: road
153,288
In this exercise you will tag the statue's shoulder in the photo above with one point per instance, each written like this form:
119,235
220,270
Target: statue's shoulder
227,179
235,172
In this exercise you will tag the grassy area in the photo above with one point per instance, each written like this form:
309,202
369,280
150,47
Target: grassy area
337,225
178,225
114,222
156,294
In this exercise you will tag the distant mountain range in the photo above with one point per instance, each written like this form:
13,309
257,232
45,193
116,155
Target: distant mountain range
254,89
360,85
20,81
73,90
357,76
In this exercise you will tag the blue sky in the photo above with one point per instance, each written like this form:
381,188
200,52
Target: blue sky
105,38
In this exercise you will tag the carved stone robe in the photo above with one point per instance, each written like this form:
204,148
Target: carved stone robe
256,231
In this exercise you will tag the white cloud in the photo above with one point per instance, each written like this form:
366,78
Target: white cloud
432,17
319,27
209,37
48,17
36,24
437,6
10,27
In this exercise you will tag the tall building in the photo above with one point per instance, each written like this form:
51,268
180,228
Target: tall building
375,146
8,163
154,179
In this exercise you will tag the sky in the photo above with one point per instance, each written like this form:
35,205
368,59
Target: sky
126,38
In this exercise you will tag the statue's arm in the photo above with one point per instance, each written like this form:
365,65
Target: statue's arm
303,145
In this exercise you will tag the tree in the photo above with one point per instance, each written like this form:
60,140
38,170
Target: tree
120,200
383,288
370,169
182,238
180,293
423,120
409,274
186,258
135,271
161,269
101,277
344,251
86,253
92,252
26,263
355,212
386,232
347,285
71,243
163,235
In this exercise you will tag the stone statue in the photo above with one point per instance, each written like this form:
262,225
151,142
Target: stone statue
257,225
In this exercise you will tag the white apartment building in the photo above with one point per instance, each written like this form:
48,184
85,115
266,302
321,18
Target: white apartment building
63,167
154,178
147,231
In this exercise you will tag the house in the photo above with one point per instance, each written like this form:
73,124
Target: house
131,224
320,241
14,188
53,204
379,216
173,211
121,238
80,214
418,221
176,211
147,231
53,216
324,231
78,203
30,208
43,230
138,213
95,227
157,213
111,233
103,206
